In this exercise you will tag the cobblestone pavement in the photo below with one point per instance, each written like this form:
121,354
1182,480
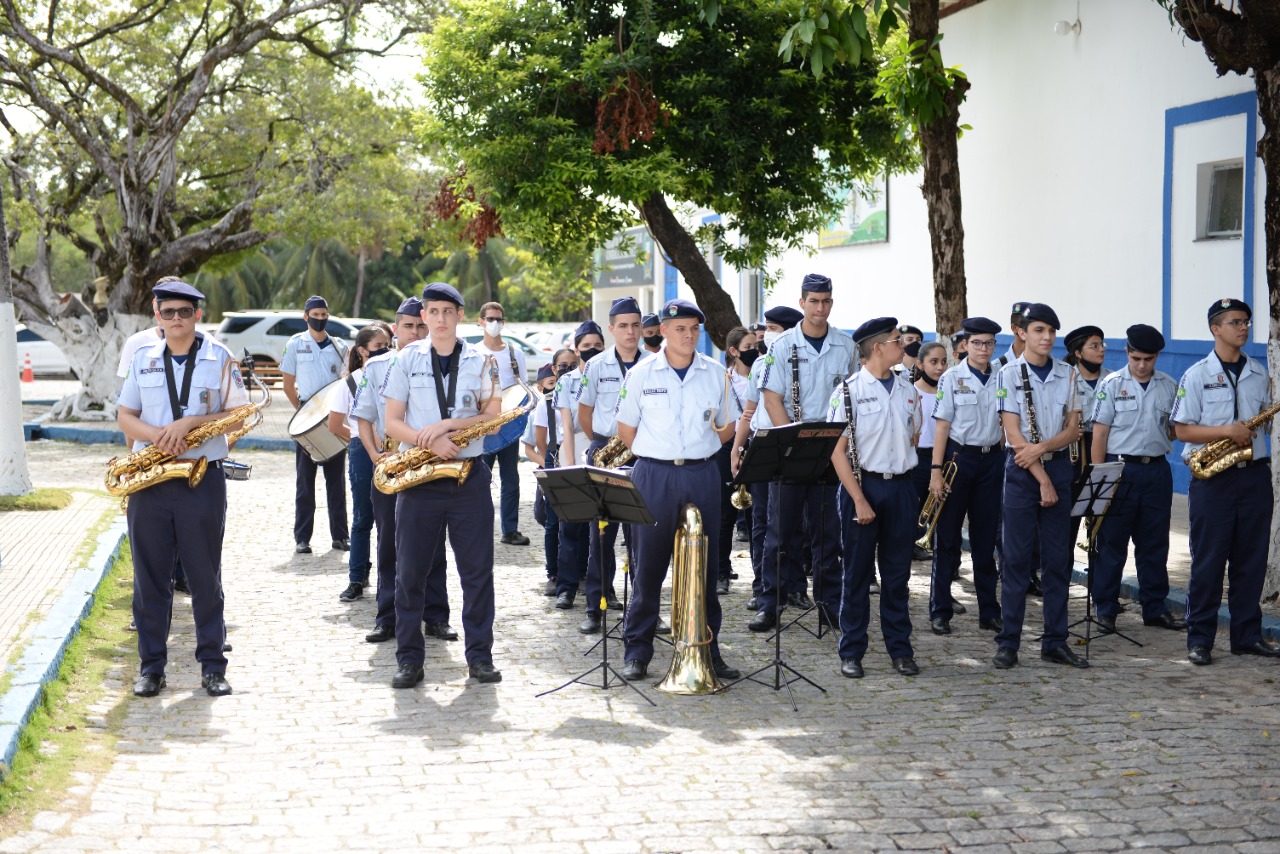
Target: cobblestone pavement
315,751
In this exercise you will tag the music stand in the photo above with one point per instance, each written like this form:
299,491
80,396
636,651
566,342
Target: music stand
827,621
590,494
792,454
1101,491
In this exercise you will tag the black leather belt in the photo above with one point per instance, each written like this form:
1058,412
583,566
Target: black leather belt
878,475
678,462
1247,463
975,449
215,464
1044,458
1132,458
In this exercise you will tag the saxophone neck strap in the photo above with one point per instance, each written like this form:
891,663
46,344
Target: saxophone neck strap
446,398
178,401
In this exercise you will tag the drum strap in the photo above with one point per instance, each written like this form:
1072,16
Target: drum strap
178,403
446,399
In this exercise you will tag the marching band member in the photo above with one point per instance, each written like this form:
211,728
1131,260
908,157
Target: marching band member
1017,319
931,361
437,387
602,379
1033,394
369,408
1086,348
669,412
878,506
542,446
802,367
1230,511
912,338
511,369
959,345
174,385
311,361
651,333
1131,425
588,341
739,354
968,434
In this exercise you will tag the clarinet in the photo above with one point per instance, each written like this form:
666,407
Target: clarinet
1031,406
798,414
852,448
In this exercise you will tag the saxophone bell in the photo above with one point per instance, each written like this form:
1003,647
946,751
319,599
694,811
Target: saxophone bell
932,509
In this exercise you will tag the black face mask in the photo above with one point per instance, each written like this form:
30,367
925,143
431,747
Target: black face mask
653,340
373,354
561,370
762,347
588,355
748,356
1090,366
318,323
931,383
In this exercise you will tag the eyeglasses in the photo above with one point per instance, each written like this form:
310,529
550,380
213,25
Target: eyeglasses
186,313
897,341
1238,323
982,345
493,319
1099,346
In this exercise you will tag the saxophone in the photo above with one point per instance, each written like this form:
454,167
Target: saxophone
1221,454
613,455
141,469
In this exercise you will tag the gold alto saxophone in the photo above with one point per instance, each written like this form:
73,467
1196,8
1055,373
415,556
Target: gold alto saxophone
614,454
691,671
1221,454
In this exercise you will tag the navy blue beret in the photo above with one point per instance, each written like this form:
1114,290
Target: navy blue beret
908,329
649,321
1019,307
677,309
315,302
441,292
411,306
546,371
587,327
873,327
1144,338
815,283
784,315
624,305
979,326
1230,305
757,327
1076,337
957,337
1038,311
176,290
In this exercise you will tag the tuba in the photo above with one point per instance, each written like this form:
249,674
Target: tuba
691,671
1219,455
932,508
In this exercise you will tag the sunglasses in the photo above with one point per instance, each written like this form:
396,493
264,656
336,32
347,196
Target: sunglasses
186,313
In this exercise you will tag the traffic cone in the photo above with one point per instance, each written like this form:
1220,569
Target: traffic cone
28,376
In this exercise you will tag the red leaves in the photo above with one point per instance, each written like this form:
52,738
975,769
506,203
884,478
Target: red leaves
627,113
448,204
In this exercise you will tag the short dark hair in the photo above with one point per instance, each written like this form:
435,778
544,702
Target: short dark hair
866,344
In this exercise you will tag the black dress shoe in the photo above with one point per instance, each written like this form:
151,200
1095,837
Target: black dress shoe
407,676
799,600
751,604
763,621
1106,625
633,670
226,647
1262,647
1167,621
564,601
133,626
1063,655
940,626
1200,655
353,592
995,624
484,671
740,536
180,586
851,668
723,670
515,538
381,633
343,545
663,628
442,631
1005,658
906,666
215,684
549,588
302,549
957,608
1033,587
918,553
590,624
611,599
148,685
722,586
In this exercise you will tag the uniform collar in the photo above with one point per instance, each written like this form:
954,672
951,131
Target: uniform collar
991,369
663,364
1244,372
155,349
1060,370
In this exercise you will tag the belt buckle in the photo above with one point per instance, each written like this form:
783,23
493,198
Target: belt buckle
886,475
677,462
1243,464
986,449
1145,460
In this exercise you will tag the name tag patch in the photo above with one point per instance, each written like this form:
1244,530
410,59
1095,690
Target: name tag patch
655,391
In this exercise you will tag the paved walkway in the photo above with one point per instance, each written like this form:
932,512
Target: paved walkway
315,751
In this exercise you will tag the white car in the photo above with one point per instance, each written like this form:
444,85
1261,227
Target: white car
46,358
533,358
264,333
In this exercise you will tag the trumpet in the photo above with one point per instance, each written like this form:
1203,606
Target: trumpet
933,506
741,498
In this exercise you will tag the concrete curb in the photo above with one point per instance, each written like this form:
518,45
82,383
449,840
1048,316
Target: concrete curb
89,436
43,654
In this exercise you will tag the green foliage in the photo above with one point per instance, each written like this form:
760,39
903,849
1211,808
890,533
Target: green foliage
916,83
832,32
567,118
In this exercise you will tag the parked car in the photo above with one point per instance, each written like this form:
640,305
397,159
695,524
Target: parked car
46,358
548,340
533,358
264,333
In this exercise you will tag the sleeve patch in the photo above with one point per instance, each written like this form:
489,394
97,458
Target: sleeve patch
1002,393
1182,391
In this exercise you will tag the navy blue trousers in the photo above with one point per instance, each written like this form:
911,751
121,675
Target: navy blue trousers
892,533
601,562
791,508
436,609
304,499
171,521
1025,524
975,492
665,489
728,514
1230,528
574,543
360,470
424,514
508,460
551,540
1142,513
759,527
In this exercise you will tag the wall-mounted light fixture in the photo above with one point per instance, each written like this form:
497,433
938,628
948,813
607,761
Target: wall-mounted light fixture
1064,27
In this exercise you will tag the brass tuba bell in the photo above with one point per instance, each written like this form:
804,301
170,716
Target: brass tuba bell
691,671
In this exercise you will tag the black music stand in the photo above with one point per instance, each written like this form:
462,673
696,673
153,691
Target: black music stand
1099,493
827,622
793,454
590,494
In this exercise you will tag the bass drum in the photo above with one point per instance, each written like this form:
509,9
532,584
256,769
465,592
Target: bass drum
309,426
513,397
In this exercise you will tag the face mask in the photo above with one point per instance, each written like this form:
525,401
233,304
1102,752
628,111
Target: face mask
588,355
1090,366
769,338
493,327
748,356
931,383
653,340
762,348
561,370
373,354
318,323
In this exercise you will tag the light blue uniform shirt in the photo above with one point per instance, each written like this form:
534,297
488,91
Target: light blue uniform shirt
1138,417
1050,396
601,381
216,386
820,373
412,379
673,417
969,405
885,423
1087,398
1205,397
369,403
759,418
566,395
312,366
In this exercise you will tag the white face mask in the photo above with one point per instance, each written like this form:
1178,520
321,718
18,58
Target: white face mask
493,327
770,337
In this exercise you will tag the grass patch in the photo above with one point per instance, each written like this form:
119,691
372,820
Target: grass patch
60,738
44,498
93,533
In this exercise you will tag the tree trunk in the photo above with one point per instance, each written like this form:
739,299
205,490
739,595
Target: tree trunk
941,188
687,257
94,354
1267,83
15,479
355,304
